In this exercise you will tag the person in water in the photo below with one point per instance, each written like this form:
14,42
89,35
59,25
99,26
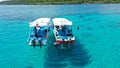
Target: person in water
78,28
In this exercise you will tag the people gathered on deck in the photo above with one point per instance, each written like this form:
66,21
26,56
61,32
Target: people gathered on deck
64,31
38,33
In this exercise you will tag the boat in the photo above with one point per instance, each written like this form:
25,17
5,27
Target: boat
39,32
63,31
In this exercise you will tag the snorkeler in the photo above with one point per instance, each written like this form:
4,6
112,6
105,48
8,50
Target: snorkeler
78,28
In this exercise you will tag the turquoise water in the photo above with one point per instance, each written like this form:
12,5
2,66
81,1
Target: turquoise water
97,42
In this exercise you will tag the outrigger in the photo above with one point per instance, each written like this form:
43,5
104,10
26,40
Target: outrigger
39,32
63,31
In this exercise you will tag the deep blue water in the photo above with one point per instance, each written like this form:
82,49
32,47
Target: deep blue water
97,42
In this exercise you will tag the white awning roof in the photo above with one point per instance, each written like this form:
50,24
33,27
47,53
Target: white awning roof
40,22
61,21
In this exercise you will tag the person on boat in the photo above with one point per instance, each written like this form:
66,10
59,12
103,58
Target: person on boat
57,27
69,33
45,33
63,30
37,32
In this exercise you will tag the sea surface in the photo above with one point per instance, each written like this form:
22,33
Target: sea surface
97,43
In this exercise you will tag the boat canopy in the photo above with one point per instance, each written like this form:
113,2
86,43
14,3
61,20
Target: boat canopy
61,21
40,22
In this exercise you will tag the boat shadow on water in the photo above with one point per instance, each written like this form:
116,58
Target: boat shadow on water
74,55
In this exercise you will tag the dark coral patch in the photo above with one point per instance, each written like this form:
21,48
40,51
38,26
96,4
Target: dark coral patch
89,28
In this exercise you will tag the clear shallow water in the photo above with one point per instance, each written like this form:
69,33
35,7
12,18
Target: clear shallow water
97,42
